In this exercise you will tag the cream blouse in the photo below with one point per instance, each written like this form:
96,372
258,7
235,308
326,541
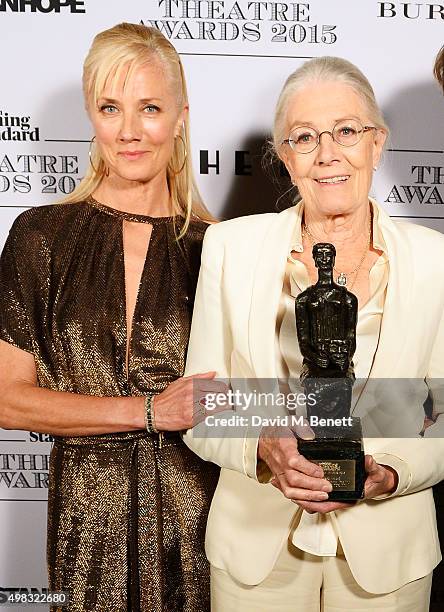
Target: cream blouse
316,533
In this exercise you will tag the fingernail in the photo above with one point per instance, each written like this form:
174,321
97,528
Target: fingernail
327,487
323,495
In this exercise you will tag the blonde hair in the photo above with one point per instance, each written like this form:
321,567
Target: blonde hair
438,69
127,46
325,69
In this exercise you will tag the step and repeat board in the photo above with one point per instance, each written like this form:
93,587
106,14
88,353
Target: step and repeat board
237,56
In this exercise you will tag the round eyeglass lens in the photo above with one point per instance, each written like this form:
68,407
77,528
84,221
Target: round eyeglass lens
303,139
348,132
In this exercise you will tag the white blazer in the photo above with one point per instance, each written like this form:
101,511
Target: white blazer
387,542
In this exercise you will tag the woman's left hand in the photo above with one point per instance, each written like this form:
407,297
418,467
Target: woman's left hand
381,480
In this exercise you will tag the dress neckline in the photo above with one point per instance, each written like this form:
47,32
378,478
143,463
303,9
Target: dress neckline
128,216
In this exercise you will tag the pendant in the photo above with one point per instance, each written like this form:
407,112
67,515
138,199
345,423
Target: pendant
342,279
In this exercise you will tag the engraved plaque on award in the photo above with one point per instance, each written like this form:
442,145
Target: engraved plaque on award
326,317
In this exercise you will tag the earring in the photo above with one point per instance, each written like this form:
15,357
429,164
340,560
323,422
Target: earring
185,155
106,173
375,168
90,154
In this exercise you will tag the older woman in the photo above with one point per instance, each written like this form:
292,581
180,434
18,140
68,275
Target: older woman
287,547
95,306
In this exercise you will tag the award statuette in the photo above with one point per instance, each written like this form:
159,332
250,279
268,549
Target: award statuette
326,317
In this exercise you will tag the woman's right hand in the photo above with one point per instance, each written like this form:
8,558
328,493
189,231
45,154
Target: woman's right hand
178,407
296,477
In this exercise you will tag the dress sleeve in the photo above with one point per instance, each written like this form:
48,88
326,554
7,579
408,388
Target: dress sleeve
14,323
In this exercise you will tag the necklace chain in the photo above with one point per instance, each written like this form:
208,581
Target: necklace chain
342,276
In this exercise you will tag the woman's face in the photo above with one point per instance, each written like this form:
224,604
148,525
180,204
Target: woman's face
332,179
135,123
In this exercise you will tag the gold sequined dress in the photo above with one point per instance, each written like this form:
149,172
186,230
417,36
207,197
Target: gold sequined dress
126,518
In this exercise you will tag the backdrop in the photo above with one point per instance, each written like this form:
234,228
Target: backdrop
236,56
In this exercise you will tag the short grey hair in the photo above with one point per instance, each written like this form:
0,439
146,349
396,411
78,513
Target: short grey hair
324,69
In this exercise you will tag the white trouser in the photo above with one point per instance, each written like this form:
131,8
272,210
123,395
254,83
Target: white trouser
301,582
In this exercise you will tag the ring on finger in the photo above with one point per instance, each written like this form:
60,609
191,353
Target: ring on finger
200,407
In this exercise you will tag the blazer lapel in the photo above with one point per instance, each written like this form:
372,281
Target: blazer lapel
267,289
396,316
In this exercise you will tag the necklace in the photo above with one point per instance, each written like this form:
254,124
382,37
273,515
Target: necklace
342,277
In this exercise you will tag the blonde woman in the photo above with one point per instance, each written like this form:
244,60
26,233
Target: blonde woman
95,304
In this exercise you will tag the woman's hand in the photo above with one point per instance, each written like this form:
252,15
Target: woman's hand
298,479
181,405
381,480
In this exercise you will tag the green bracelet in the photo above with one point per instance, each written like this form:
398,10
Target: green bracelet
150,424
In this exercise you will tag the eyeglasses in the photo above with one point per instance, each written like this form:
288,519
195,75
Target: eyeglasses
347,132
